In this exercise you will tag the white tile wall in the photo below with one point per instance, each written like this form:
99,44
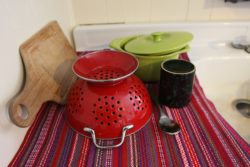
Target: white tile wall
90,11
199,10
116,12
131,11
169,10
137,10
230,11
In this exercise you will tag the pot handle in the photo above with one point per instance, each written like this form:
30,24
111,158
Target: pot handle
124,130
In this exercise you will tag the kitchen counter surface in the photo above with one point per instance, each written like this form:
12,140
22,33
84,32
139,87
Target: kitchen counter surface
212,40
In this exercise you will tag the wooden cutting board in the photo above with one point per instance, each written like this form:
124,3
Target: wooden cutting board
47,57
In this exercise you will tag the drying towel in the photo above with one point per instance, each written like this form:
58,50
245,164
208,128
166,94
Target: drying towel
206,139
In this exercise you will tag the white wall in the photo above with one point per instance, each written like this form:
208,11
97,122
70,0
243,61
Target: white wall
131,11
19,20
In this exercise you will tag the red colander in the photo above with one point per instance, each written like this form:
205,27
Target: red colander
107,101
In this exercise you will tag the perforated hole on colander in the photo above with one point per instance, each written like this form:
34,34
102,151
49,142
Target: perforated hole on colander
105,66
138,96
106,73
107,110
75,101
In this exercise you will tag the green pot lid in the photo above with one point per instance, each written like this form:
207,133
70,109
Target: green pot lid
159,43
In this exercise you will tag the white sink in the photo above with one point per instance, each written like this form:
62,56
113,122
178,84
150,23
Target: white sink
224,74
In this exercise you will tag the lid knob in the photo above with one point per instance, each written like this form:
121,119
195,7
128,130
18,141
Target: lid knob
157,36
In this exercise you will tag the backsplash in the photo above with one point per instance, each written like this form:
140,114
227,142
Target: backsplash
147,11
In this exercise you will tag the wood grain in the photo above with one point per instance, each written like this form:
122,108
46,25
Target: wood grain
47,58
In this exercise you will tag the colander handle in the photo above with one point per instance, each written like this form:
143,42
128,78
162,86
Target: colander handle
124,130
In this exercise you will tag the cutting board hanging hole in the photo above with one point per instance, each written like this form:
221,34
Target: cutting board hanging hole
22,112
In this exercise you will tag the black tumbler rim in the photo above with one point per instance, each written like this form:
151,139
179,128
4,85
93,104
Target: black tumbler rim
178,73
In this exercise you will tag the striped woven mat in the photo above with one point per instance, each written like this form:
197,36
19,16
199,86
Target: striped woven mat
206,139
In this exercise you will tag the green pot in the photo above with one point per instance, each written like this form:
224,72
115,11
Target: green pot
149,65
158,43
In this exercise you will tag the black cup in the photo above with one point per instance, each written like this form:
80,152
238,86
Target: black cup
176,83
